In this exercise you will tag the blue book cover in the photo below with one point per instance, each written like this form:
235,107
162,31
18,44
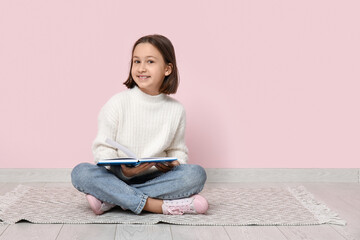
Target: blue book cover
131,159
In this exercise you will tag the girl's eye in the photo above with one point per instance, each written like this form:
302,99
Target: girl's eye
136,61
150,61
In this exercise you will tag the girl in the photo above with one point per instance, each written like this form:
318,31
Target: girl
152,124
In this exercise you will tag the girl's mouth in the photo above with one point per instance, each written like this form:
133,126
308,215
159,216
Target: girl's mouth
143,77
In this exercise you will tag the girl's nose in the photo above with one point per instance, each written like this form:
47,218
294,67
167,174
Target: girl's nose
142,67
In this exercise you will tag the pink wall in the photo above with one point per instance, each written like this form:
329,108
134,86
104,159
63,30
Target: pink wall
265,83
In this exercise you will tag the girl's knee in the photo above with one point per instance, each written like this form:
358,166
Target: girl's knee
80,169
194,174
199,174
80,173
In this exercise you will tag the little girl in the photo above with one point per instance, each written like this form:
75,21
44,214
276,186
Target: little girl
151,124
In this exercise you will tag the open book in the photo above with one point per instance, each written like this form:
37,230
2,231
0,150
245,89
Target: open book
131,158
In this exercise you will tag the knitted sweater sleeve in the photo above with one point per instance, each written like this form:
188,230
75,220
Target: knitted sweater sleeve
177,147
107,128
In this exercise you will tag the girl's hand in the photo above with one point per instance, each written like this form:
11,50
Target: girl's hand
133,171
165,167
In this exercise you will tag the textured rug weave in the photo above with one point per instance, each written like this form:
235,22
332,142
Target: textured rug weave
227,206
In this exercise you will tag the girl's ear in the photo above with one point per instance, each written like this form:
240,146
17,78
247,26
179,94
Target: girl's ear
168,69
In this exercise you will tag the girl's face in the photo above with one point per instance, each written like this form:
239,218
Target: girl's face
149,68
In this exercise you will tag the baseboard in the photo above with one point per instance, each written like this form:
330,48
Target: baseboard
350,175
35,175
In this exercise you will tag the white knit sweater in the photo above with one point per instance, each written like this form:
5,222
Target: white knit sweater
150,126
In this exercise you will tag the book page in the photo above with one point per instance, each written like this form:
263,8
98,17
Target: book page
125,150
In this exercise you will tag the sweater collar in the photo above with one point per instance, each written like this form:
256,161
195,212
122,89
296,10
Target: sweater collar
146,97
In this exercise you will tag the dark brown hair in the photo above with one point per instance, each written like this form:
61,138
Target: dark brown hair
165,47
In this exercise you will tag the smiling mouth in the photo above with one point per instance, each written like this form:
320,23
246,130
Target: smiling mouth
142,77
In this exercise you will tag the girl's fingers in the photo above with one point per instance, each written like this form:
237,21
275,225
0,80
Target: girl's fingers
144,166
132,171
173,163
162,167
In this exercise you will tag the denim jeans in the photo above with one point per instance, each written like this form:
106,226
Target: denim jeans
182,181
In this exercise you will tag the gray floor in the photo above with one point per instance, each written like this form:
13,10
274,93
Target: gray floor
343,198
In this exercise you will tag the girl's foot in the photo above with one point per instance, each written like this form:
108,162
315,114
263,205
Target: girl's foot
195,205
97,206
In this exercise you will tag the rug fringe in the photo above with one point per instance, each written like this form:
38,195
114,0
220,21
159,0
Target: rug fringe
320,210
10,198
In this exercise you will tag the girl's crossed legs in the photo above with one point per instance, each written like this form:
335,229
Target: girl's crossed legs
139,193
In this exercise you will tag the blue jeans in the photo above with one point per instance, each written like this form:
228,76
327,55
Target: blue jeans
182,181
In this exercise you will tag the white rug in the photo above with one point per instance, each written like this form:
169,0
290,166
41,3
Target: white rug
228,206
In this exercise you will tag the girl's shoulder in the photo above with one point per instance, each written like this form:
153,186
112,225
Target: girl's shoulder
120,96
173,101
116,101
175,104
